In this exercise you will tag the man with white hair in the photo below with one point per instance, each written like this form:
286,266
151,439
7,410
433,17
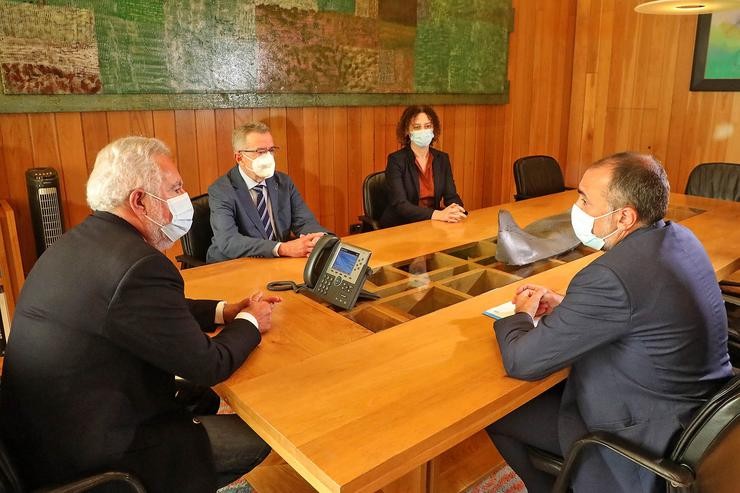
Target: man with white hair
101,329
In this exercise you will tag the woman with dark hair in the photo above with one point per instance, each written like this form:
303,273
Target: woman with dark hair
419,177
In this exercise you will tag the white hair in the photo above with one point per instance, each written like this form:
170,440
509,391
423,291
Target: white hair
122,166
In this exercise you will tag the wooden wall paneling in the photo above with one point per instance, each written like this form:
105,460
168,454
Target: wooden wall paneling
730,131
119,124
463,159
165,130
74,165
4,170
187,149
224,121
665,96
342,217
379,157
45,143
242,116
95,134
293,148
355,162
479,130
488,155
577,90
261,115
311,157
205,130
18,154
279,131
325,156
142,123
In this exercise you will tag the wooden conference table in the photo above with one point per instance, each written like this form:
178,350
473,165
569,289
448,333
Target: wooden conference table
353,410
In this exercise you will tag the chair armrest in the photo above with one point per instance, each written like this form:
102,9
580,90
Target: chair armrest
187,261
677,474
369,224
545,461
91,482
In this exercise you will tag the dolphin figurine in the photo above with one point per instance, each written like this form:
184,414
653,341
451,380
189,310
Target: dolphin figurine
542,239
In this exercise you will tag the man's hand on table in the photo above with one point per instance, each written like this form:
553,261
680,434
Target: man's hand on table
259,306
536,300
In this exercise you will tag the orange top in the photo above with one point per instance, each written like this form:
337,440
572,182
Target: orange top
426,184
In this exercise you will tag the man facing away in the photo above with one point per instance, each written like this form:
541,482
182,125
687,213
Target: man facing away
643,328
100,331
255,211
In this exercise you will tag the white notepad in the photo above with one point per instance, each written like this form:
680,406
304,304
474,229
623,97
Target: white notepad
504,310
501,311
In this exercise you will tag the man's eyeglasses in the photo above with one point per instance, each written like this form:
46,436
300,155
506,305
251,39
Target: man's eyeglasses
261,150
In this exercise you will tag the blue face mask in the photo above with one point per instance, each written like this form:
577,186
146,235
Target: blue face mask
422,138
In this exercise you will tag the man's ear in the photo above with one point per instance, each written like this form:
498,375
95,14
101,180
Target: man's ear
136,202
628,218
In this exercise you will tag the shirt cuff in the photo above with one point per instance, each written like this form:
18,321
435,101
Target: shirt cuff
275,250
249,318
219,318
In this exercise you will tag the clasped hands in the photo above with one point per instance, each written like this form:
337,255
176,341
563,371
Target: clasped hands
258,305
453,213
299,247
536,300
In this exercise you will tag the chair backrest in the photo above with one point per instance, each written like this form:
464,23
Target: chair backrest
196,242
715,180
537,175
710,445
375,195
9,480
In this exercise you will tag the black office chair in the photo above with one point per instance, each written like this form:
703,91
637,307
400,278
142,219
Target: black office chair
715,180
10,481
535,176
374,200
703,460
196,242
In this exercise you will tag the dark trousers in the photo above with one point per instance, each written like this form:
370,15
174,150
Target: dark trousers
534,424
235,447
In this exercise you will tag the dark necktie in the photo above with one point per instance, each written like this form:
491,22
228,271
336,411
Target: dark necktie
262,211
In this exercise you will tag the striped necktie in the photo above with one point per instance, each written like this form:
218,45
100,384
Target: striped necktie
262,211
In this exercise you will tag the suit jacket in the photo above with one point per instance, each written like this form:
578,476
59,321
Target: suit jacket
237,228
402,178
644,329
100,331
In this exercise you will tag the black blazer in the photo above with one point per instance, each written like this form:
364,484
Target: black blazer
402,178
100,330
644,329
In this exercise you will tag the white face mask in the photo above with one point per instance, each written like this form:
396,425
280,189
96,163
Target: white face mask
422,138
181,209
263,165
583,226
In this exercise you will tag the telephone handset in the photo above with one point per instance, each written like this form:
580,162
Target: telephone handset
336,271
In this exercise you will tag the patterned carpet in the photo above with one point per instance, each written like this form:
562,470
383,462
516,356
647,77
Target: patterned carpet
503,481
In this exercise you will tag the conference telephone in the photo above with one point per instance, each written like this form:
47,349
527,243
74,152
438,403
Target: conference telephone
336,271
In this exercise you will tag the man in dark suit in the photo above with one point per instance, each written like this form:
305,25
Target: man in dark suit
255,211
643,328
100,331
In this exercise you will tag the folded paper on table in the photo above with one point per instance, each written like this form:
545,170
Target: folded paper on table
504,310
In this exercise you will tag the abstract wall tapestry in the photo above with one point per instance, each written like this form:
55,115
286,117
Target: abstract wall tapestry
224,53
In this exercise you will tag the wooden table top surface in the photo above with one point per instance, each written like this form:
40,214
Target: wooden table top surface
352,410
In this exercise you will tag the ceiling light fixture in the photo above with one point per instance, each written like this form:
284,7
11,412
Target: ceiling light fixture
686,7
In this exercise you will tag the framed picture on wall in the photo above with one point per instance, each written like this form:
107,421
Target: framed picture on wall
717,52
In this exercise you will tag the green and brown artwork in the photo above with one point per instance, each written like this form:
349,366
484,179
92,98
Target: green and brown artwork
723,53
197,47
